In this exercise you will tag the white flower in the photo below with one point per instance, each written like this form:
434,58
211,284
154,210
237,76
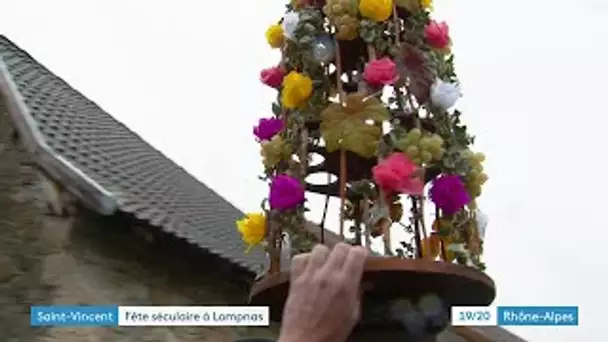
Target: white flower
290,23
482,223
444,94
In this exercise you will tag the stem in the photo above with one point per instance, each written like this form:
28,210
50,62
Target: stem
342,190
416,228
273,253
421,212
303,155
386,234
366,230
339,73
342,151
325,208
371,52
444,254
397,23
358,220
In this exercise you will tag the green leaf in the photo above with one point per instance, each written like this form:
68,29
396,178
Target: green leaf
306,40
276,109
346,126
309,28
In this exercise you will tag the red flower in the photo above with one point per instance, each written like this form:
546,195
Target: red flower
397,174
437,35
272,77
380,72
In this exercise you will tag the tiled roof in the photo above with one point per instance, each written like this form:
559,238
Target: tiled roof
147,183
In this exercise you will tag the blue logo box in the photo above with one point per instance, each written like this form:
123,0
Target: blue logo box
537,315
74,316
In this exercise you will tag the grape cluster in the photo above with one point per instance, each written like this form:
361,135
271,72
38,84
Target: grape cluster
476,177
422,148
343,15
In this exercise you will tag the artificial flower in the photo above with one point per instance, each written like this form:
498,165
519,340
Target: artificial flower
380,72
252,228
481,221
274,36
437,35
289,24
449,194
347,126
297,88
275,151
398,174
272,77
268,128
286,193
377,10
324,49
444,95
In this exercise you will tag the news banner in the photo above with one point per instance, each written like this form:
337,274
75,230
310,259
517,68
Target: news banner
112,316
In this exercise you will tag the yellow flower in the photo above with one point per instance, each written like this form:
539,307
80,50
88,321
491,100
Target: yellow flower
274,36
377,10
252,228
296,90
426,4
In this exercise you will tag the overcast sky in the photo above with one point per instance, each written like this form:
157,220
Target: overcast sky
184,75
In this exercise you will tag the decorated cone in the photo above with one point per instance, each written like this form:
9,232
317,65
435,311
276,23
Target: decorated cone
389,130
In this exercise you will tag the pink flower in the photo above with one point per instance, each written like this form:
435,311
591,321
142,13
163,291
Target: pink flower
272,77
268,128
397,174
380,72
286,193
449,194
437,35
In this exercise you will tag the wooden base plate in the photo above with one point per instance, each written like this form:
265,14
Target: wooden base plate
388,282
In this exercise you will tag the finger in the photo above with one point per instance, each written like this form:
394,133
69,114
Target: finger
298,265
336,259
317,259
355,264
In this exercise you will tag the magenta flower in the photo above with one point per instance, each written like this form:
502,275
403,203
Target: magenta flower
268,128
449,194
286,193
272,77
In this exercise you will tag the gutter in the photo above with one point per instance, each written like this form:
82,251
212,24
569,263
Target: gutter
88,191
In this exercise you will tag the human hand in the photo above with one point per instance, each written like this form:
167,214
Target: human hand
324,300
